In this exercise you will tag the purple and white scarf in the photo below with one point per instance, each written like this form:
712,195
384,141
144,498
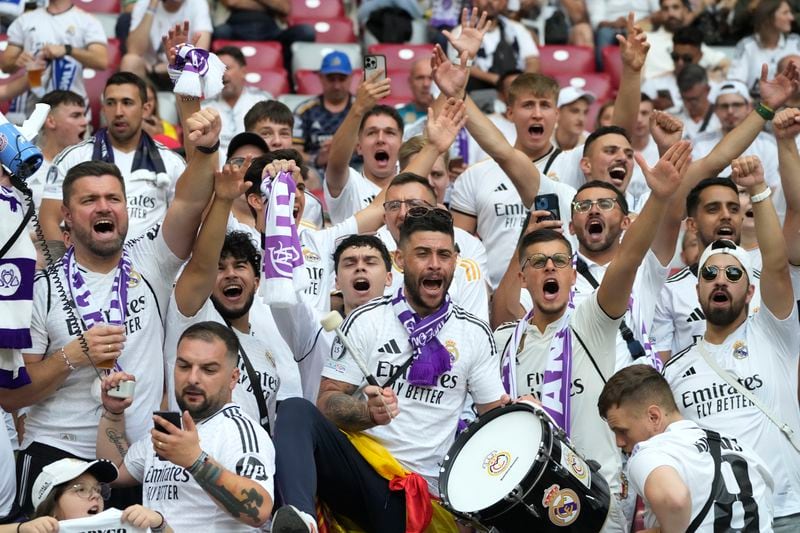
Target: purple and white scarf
284,270
558,368
196,72
431,358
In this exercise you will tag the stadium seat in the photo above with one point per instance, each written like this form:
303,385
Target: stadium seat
612,64
317,9
597,83
260,55
308,81
114,55
308,56
338,30
591,115
99,6
274,81
293,100
95,81
565,59
400,57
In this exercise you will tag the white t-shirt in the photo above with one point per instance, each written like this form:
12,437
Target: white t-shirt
255,345
484,191
514,33
318,247
659,62
590,434
468,288
476,154
432,412
8,481
761,354
312,212
749,56
611,10
691,129
232,439
358,193
68,418
162,21
233,116
684,447
36,183
148,194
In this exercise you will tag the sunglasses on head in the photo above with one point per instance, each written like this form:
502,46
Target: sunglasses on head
686,58
539,261
428,211
732,272
395,205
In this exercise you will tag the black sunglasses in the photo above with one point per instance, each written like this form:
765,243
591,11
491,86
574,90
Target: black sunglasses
686,58
732,272
433,212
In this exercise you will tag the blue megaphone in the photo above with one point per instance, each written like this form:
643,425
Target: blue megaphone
17,153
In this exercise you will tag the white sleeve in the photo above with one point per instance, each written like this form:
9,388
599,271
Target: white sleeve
783,334
484,381
139,10
16,35
200,16
152,256
566,169
340,366
347,203
598,331
463,198
257,464
527,46
739,66
650,279
298,325
93,31
134,459
642,463
39,337
473,295
663,326
55,179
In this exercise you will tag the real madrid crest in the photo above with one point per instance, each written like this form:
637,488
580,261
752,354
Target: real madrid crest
563,505
134,278
450,346
740,349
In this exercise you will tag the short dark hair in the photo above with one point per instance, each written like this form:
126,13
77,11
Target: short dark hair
688,35
359,241
597,184
271,110
209,331
89,168
691,76
240,246
600,132
504,76
540,235
693,198
637,384
235,52
431,221
253,174
379,110
59,97
127,78
409,177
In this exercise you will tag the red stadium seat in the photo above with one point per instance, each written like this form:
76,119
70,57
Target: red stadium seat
99,6
338,30
114,54
612,64
308,81
400,57
599,84
274,81
317,9
95,81
401,90
566,59
260,55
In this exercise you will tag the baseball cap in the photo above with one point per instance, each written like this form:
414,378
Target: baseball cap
571,94
65,470
246,138
336,63
728,247
732,87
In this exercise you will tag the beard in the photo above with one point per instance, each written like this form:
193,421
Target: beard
724,316
233,313
412,292
101,249
207,407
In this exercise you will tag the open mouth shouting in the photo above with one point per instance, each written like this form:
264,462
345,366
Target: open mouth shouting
232,292
617,174
725,232
104,228
536,131
432,285
361,285
382,158
719,298
595,229
550,289
94,509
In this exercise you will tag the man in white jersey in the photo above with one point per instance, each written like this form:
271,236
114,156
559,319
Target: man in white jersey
213,472
676,467
759,351
149,168
580,338
102,305
373,131
66,37
414,413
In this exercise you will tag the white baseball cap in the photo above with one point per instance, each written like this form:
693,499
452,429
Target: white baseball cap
570,94
65,470
732,87
728,247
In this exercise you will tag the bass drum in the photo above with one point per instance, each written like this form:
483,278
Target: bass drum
514,470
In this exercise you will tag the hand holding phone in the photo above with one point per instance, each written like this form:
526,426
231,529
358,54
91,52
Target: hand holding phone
373,63
547,202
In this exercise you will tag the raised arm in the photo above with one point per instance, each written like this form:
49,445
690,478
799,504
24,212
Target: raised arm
776,283
346,137
441,129
633,50
787,125
187,106
663,180
139,37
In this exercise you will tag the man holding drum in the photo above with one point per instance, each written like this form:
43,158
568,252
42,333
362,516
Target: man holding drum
568,349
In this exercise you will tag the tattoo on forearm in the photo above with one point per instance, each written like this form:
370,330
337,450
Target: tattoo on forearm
347,412
245,507
118,440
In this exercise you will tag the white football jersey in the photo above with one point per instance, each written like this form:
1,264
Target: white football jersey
318,247
357,194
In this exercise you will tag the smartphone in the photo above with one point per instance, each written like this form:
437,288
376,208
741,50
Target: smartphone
373,63
664,94
172,417
547,202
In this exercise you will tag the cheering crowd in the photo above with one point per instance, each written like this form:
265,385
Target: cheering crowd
200,341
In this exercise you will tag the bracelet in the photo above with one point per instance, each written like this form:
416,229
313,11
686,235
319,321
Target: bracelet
160,527
70,366
109,411
208,149
760,197
457,62
200,461
764,111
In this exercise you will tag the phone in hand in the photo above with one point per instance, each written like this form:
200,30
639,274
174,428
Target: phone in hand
547,202
172,417
372,63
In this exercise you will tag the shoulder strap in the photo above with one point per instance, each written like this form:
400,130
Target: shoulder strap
14,236
263,410
706,119
741,389
713,439
591,357
155,298
550,160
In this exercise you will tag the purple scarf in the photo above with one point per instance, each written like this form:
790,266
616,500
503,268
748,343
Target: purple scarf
90,312
431,358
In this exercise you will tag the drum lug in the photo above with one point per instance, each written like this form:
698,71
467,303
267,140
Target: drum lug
516,496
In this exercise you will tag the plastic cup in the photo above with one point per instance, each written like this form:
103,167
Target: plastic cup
35,76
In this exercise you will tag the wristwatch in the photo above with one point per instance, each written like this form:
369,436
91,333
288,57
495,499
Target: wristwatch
67,49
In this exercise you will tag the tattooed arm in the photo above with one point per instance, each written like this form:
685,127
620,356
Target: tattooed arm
337,403
112,444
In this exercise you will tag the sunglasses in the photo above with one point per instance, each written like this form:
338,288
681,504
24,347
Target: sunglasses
604,204
686,58
428,211
539,261
733,273
395,205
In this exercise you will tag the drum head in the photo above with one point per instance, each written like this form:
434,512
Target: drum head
494,460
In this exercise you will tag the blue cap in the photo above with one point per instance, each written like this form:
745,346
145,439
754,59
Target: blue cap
336,63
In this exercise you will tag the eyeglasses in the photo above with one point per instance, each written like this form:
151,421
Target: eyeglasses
731,106
604,204
87,491
539,261
237,161
428,211
686,58
733,273
394,205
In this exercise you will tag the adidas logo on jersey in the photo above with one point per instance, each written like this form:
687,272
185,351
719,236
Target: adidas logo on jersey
390,347
696,316
500,188
690,372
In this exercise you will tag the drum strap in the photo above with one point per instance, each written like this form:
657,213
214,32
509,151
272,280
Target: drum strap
714,441
591,357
